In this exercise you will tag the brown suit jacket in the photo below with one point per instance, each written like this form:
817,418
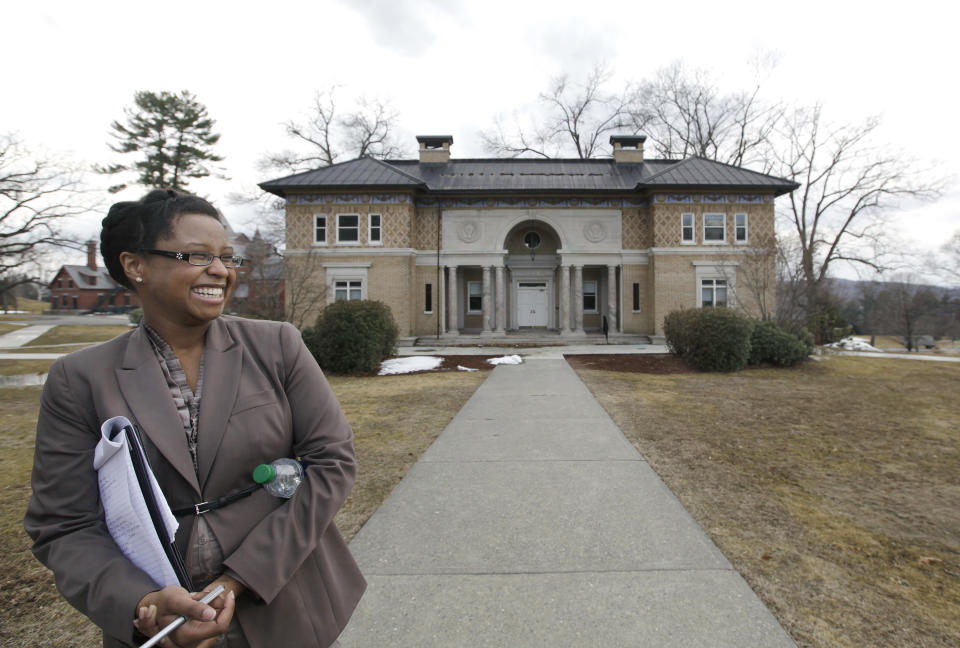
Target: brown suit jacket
264,397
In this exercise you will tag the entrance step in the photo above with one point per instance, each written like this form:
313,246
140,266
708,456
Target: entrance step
530,338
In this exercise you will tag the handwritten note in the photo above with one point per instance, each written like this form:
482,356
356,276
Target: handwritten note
127,516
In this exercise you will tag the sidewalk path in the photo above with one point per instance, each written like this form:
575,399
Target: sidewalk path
18,338
532,521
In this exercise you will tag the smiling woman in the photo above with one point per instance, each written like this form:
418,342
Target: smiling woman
265,398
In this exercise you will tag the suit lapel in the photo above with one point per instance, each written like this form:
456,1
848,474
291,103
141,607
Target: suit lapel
223,360
145,390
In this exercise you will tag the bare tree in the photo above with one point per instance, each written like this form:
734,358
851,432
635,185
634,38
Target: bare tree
755,281
684,114
305,295
327,136
576,118
914,309
791,296
848,184
948,263
37,194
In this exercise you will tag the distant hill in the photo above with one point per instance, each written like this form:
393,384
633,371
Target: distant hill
853,289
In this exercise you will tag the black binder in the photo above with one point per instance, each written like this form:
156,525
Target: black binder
141,467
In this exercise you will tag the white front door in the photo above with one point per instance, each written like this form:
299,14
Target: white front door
532,304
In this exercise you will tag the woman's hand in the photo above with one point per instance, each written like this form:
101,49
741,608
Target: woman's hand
204,622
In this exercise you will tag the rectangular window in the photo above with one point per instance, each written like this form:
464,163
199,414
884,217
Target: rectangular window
474,297
713,292
428,298
714,228
589,296
319,228
373,230
347,290
636,298
348,229
70,282
686,228
740,221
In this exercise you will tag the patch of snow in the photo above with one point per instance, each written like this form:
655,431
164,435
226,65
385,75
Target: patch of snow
409,364
852,344
461,368
507,360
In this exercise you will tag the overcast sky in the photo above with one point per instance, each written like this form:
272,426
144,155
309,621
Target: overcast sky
451,66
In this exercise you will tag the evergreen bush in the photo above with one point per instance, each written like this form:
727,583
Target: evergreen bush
709,339
770,343
720,341
352,336
678,328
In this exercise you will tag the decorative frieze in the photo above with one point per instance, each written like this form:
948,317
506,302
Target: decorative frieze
348,199
514,202
674,198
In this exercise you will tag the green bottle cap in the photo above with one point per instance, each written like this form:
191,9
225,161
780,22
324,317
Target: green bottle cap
264,473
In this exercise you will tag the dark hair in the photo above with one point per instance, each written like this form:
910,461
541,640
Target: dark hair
134,225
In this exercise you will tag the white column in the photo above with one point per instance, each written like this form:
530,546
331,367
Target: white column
501,301
612,297
578,300
452,324
485,301
564,300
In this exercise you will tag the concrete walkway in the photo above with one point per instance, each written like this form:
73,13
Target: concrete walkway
18,338
532,521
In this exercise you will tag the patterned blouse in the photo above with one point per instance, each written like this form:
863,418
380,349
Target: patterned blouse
186,402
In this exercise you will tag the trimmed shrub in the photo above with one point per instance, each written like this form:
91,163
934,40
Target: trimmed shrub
352,336
709,339
678,328
770,343
135,315
721,340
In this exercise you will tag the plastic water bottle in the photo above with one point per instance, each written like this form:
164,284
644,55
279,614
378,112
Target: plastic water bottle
280,477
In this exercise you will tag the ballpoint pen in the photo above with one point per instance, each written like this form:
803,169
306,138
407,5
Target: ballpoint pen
179,621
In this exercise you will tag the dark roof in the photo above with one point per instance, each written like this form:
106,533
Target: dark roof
85,278
699,172
362,172
509,175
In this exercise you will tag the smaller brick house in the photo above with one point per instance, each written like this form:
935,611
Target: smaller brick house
83,288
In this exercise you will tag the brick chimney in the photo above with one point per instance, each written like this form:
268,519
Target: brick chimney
434,148
92,254
627,148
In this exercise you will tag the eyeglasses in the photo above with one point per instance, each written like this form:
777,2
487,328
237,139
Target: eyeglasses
200,258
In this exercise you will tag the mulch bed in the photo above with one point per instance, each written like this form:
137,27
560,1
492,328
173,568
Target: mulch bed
631,363
450,362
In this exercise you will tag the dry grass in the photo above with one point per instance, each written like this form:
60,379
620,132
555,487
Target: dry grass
32,306
833,488
77,334
19,367
32,613
392,429
6,328
894,344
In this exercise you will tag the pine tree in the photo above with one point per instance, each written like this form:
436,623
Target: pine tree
173,136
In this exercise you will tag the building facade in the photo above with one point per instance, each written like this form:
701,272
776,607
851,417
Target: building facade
482,247
89,287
